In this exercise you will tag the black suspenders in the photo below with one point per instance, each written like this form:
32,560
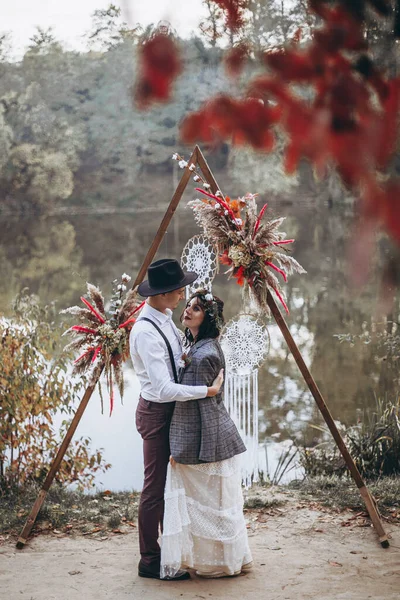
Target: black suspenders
171,354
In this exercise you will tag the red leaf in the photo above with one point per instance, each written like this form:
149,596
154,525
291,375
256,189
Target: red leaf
89,351
93,310
235,59
389,124
96,352
130,320
234,12
243,121
82,329
292,65
239,276
221,202
292,158
283,242
159,65
281,300
224,259
196,127
270,264
391,209
260,216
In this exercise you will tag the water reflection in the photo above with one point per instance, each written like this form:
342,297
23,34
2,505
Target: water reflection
55,256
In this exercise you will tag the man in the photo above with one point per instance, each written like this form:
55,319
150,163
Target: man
156,348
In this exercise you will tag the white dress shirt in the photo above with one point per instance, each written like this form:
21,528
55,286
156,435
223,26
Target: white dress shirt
151,360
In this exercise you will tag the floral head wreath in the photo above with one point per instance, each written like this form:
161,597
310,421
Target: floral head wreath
211,307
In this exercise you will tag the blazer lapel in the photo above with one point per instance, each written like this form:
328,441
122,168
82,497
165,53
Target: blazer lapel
197,346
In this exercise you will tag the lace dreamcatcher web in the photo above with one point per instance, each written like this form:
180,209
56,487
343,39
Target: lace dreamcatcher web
245,342
199,256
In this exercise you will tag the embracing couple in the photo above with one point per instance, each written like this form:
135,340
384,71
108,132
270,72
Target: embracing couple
192,483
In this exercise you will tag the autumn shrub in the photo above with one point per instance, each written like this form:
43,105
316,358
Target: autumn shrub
374,444
34,391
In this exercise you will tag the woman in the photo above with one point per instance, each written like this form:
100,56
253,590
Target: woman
204,526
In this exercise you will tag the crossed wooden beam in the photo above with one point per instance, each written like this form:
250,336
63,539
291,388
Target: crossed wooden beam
197,157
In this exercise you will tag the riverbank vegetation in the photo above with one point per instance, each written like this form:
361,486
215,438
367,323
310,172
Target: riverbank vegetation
38,401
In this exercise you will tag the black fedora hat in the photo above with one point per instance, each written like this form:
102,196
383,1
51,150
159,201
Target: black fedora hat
165,275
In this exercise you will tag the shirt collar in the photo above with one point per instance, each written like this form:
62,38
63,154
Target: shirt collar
156,314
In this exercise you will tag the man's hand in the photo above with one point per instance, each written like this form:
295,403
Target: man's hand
172,461
216,384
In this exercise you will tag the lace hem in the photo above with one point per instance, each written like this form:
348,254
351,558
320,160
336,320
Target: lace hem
186,550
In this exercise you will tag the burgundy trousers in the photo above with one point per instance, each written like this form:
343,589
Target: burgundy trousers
152,422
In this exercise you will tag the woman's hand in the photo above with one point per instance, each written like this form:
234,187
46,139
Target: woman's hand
172,461
216,384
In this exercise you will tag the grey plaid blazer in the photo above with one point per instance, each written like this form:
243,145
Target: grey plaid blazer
202,430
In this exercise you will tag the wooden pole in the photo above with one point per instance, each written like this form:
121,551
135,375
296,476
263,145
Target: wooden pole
89,391
54,467
176,198
308,378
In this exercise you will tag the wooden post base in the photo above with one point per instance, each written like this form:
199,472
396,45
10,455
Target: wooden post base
31,519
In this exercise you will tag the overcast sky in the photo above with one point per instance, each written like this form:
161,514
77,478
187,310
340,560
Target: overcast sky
72,18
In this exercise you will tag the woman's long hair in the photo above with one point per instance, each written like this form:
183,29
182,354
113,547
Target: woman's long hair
213,317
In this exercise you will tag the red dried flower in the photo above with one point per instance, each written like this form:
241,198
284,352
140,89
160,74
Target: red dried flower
238,274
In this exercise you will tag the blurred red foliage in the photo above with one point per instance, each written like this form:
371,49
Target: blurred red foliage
234,12
159,65
345,116
235,59
247,121
350,120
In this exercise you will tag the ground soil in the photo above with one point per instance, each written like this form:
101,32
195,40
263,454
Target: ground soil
300,549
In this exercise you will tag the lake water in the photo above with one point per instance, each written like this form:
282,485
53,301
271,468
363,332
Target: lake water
54,256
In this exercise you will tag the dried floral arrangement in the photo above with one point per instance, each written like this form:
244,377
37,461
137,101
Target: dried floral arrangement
103,335
243,242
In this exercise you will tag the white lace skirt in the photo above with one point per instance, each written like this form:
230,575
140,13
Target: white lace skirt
204,526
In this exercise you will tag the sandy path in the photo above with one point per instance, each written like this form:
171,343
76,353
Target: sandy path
299,554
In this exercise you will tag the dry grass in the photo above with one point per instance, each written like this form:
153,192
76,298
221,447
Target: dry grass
68,510
341,493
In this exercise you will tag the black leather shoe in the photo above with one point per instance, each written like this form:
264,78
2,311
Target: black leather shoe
154,573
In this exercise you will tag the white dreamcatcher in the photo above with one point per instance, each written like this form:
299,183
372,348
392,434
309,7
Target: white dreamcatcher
245,343
199,255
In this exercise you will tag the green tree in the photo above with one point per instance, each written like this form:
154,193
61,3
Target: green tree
272,23
6,139
257,172
5,46
43,41
212,27
109,29
39,150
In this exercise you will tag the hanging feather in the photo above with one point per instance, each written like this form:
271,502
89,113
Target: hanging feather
97,297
